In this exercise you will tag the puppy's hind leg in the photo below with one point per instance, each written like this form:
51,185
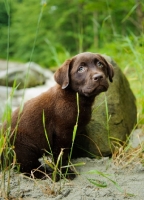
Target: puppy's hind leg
27,156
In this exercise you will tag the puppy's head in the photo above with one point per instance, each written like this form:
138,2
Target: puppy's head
85,73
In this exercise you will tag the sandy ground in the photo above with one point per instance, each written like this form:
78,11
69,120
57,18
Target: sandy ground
127,183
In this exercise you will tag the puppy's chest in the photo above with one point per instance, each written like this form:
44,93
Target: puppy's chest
69,115
66,112
84,116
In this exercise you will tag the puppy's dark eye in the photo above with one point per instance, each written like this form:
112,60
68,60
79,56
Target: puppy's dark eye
99,64
81,69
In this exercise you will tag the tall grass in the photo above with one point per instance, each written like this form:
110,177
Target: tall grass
74,132
7,153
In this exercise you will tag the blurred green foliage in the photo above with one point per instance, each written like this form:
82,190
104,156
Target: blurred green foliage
48,31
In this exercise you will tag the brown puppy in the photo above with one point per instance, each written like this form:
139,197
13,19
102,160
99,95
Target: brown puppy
85,73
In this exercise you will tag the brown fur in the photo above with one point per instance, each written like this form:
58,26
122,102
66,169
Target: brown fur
60,109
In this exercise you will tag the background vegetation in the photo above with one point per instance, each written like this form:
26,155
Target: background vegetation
48,32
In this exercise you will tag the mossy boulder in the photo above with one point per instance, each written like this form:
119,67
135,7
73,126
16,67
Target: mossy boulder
113,118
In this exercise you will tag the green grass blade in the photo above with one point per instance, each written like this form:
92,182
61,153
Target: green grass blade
97,183
107,176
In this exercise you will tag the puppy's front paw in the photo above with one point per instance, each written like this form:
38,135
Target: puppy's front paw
69,174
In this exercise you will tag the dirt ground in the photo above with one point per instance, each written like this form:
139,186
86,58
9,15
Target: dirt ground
124,183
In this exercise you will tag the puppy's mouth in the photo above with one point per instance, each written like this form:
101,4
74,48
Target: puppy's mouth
94,91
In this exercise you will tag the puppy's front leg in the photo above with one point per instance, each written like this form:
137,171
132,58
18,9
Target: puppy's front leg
60,155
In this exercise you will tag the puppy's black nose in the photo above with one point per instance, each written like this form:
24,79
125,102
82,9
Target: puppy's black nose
97,77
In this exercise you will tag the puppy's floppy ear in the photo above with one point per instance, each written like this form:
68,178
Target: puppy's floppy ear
110,71
62,74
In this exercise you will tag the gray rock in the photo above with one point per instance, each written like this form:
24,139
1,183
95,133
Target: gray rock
109,128
26,75
14,98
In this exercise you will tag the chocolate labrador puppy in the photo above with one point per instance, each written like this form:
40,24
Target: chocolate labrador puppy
86,74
